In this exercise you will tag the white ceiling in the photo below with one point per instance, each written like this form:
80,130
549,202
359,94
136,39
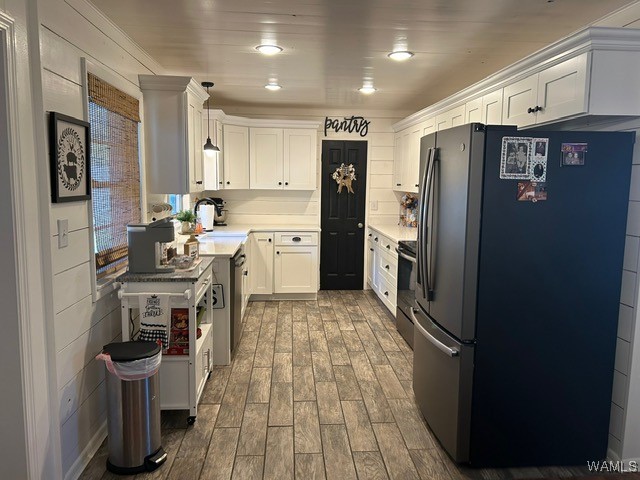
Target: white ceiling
331,46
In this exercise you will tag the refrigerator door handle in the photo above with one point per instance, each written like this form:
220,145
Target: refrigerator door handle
422,234
428,280
452,352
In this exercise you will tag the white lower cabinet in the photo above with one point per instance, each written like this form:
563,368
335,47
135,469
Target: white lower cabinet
296,269
284,262
262,263
382,268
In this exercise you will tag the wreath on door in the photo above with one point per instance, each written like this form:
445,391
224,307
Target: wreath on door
344,175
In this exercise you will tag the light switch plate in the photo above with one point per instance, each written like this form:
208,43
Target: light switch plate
374,205
63,233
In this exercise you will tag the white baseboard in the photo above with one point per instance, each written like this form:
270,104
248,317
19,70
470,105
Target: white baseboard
87,454
283,296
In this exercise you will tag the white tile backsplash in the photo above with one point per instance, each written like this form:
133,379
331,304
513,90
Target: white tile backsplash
631,247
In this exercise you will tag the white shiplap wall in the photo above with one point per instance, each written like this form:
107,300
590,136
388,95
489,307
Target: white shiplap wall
70,30
279,207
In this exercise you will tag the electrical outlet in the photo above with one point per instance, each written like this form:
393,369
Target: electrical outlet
63,233
374,205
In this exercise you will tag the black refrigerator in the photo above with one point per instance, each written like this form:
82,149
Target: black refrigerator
520,248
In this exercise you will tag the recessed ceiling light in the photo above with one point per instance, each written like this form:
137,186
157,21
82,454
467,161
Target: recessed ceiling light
273,86
269,49
367,89
400,55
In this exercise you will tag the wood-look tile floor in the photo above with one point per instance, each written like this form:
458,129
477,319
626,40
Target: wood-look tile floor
317,390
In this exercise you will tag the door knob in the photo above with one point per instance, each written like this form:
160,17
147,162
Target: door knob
360,225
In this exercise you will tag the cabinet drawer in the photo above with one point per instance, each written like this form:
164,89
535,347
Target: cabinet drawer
388,246
293,238
387,294
387,267
203,282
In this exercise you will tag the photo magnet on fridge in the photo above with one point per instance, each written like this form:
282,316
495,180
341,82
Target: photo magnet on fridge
539,160
531,192
573,154
515,161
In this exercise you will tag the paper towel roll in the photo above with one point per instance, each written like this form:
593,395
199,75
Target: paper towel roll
207,214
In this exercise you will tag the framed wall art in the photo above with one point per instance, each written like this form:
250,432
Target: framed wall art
69,152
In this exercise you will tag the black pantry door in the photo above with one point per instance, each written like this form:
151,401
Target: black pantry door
342,217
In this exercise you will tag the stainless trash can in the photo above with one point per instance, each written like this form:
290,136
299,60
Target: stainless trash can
133,408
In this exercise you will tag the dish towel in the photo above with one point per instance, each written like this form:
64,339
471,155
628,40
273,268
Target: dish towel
154,318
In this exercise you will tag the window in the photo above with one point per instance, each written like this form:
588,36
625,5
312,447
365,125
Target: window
115,171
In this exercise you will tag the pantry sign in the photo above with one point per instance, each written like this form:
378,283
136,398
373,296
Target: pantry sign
348,125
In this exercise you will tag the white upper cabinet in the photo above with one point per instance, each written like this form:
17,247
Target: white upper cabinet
266,158
173,133
397,161
473,111
283,159
428,126
236,157
492,108
450,118
213,170
556,92
300,159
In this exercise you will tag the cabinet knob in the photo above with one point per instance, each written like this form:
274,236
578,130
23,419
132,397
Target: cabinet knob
417,185
530,110
371,249
296,239
388,247
286,183
220,182
387,267
277,253
386,294
228,183
279,183
398,184
199,182
537,109
375,239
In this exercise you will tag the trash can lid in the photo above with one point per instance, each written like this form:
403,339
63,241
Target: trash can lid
130,351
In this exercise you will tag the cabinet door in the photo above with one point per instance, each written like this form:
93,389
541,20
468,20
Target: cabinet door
562,89
492,108
457,116
411,167
428,126
262,263
371,265
198,150
473,111
300,159
236,157
443,121
406,159
296,269
397,161
266,161
191,143
212,166
518,98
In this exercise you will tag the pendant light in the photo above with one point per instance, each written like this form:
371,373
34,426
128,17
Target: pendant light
209,148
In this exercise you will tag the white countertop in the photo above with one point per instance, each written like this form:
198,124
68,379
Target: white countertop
220,247
395,232
244,230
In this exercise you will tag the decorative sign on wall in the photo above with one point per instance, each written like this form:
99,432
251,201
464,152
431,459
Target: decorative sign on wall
348,125
69,151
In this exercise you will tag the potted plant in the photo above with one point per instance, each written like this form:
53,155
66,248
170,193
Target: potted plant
188,218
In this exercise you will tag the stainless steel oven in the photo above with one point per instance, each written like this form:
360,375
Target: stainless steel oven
406,289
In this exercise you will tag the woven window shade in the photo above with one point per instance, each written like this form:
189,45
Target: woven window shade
115,172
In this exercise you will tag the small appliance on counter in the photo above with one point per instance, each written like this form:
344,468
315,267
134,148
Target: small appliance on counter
148,244
211,213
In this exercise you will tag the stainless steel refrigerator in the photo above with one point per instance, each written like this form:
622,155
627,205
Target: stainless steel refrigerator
517,300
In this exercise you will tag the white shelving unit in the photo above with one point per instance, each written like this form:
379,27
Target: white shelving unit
182,377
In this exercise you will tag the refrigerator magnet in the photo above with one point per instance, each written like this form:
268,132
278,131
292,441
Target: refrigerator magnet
531,192
539,160
515,161
573,154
